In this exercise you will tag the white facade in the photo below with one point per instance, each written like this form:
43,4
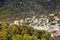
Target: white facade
16,22
56,18
21,21
51,14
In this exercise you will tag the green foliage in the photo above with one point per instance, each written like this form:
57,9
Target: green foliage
17,37
27,37
13,30
4,24
23,9
3,35
24,32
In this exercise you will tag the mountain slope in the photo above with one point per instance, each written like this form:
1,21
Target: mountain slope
11,9
19,9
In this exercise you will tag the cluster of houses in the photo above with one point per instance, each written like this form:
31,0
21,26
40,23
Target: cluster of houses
46,23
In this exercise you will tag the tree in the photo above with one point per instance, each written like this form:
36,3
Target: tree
46,36
3,35
13,30
34,38
4,25
26,37
24,29
17,37
24,32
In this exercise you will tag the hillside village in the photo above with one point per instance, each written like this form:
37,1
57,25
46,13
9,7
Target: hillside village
49,24
42,23
29,19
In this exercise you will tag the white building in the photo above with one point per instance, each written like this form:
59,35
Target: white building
16,22
21,21
35,21
56,18
51,14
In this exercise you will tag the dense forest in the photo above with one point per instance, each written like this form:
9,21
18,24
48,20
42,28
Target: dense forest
11,9
22,32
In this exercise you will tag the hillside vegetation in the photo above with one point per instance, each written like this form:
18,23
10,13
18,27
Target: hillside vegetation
12,9
22,32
